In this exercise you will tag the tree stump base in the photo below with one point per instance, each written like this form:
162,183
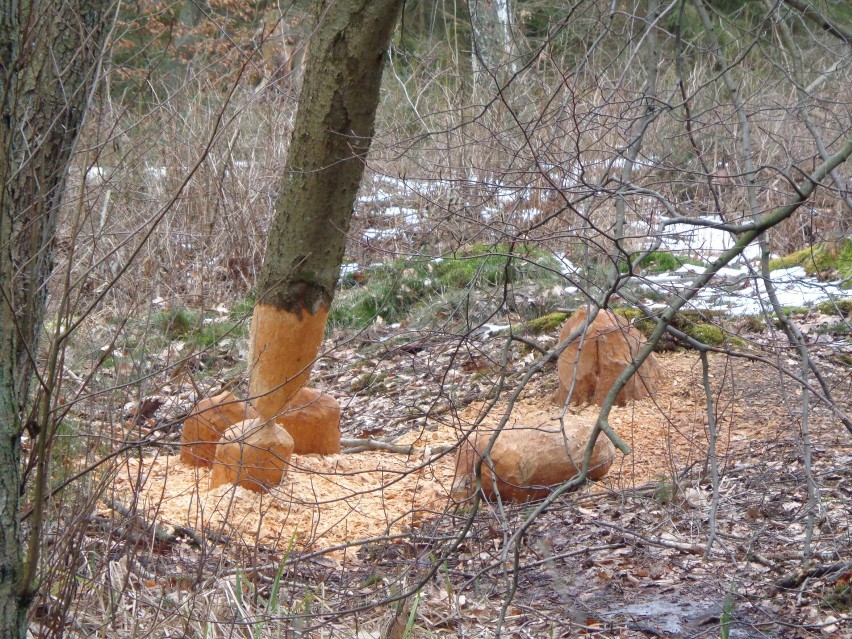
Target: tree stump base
252,454
313,420
528,462
206,423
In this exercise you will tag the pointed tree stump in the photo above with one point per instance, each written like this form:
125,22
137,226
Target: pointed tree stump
590,370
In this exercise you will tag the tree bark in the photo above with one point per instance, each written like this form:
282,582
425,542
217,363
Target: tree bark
49,54
331,137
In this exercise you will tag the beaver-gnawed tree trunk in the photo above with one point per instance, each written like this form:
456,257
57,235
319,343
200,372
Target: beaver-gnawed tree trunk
331,137
49,55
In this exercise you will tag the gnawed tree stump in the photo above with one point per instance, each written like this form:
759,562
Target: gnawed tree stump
332,133
528,462
206,423
313,420
253,454
609,346
282,351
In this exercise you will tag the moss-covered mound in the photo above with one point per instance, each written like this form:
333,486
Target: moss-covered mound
826,260
708,327
422,290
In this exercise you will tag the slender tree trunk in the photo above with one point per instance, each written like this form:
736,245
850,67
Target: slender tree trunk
49,55
331,137
492,30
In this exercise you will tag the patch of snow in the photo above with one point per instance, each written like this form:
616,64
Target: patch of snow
789,274
381,234
506,195
408,216
157,172
530,214
566,267
379,195
387,179
662,277
489,213
691,268
98,174
702,241
726,271
347,269
487,330
792,286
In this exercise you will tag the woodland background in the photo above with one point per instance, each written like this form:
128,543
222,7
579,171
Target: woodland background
529,157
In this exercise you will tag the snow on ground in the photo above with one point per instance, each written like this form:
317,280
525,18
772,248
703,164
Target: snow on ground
743,292
704,242
737,289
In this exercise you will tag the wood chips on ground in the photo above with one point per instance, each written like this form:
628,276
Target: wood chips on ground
325,502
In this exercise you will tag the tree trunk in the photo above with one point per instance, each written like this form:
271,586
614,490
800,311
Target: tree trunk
494,51
331,138
49,54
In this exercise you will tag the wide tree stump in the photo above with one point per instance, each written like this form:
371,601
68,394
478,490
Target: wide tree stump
313,420
528,462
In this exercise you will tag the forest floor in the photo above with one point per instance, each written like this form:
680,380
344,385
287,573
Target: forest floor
629,556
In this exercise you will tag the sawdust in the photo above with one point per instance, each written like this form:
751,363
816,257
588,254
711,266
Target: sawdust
323,502
336,499
667,432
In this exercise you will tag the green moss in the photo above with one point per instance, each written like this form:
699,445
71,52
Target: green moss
646,326
837,329
369,383
839,598
664,490
838,307
640,320
545,323
660,262
405,289
826,260
243,308
175,323
629,313
500,264
210,334
709,334
753,324
697,324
